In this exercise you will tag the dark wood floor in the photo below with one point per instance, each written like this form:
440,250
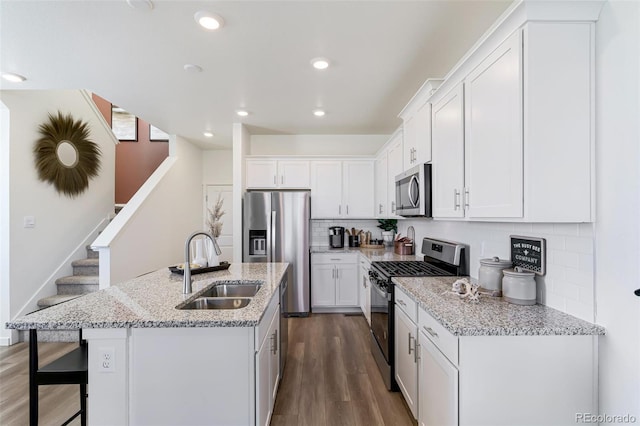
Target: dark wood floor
57,403
330,379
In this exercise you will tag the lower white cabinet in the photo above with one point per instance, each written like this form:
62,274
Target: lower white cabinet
406,333
365,289
437,385
268,371
334,280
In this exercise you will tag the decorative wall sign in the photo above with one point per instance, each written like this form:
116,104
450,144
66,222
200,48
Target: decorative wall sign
529,253
65,157
124,124
157,135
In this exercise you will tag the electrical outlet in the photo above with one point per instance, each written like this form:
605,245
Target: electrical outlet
107,359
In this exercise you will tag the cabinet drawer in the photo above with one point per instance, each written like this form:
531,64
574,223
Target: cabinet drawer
407,304
364,262
440,336
334,258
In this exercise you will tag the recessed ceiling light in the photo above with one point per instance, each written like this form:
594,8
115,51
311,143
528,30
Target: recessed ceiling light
319,113
242,112
12,77
208,20
192,68
320,63
208,134
140,4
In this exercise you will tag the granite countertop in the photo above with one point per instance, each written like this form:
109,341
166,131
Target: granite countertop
374,255
150,301
492,316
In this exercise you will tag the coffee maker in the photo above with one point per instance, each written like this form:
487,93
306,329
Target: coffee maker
336,236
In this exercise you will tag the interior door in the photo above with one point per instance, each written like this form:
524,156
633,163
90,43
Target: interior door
225,241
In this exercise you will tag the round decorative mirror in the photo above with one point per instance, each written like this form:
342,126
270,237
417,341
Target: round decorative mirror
65,157
67,154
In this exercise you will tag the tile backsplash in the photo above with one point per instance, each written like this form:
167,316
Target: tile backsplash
569,282
320,229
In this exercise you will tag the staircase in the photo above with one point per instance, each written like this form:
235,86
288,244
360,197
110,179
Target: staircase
84,280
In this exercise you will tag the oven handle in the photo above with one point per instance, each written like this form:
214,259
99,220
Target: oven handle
414,184
381,292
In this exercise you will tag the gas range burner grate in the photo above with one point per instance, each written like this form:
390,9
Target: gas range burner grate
409,269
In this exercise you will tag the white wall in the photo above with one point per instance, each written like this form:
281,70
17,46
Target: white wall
217,167
241,142
6,336
159,217
316,144
61,222
617,230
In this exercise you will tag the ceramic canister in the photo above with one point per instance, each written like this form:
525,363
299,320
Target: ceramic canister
490,274
519,286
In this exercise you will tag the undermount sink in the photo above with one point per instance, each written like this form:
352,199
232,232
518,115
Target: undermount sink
232,290
216,303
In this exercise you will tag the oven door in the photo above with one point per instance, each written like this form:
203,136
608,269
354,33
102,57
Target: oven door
380,306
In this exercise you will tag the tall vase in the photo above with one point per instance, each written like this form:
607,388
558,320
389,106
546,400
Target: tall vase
212,257
200,257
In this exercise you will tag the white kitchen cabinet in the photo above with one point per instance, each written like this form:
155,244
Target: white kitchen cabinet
437,386
380,183
342,189
365,289
326,189
448,155
268,371
417,137
334,281
283,174
394,168
406,339
493,134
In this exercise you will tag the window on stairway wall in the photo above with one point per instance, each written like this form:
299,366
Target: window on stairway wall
135,162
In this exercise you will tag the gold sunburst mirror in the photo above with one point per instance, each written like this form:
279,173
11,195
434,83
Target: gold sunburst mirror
65,156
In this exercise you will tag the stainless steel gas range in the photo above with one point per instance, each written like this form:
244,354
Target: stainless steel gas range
441,258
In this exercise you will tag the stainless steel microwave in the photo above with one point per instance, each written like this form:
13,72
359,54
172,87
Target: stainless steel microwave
413,192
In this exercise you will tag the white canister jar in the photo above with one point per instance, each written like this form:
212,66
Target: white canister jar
519,286
490,274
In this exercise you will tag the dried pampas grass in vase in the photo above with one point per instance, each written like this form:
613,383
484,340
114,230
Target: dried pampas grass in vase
214,223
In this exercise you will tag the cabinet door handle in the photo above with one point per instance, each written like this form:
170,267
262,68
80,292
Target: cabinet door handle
333,273
401,302
416,356
274,180
282,180
275,342
430,331
380,208
339,208
456,199
364,282
347,208
393,207
466,198
410,339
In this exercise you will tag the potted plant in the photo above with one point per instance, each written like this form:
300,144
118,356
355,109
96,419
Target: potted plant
389,228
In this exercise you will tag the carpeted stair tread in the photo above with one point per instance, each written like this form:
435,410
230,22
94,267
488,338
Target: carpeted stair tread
58,298
79,279
86,262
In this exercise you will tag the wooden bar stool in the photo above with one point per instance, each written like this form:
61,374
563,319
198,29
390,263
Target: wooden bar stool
69,369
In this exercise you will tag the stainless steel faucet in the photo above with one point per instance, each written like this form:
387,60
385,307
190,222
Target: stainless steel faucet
186,283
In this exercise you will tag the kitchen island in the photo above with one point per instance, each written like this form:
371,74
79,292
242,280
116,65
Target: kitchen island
170,366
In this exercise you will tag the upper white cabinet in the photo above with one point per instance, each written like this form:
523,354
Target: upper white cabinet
289,174
381,199
512,131
493,133
447,168
342,189
417,126
394,168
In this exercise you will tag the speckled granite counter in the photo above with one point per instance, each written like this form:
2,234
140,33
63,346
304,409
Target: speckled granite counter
491,316
150,301
374,255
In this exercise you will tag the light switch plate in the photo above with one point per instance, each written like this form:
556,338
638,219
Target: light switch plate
29,221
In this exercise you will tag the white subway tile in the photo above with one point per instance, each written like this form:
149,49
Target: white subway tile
554,242
565,229
555,301
580,310
585,262
542,228
579,277
585,229
565,258
586,296
579,244
566,290
524,229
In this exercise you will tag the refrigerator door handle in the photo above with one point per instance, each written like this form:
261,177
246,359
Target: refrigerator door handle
272,241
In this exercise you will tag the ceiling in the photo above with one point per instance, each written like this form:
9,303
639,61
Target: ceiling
380,51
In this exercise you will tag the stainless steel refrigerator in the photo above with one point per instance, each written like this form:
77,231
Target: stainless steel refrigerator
276,229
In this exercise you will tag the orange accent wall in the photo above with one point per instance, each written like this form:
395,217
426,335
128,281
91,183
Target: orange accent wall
135,161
